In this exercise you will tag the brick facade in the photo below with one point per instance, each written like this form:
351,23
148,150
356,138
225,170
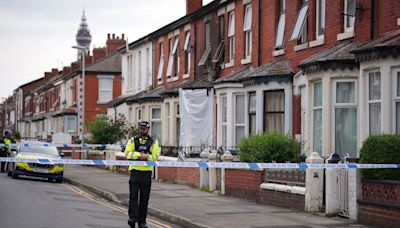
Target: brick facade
180,175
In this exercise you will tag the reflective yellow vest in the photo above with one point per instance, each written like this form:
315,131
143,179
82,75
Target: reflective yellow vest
132,154
8,143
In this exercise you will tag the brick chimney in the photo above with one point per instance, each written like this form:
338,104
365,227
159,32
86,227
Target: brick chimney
54,72
66,70
47,76
99,53
74,66
193,5
113,43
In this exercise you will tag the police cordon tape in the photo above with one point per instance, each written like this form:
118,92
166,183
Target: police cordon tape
231,165
60,145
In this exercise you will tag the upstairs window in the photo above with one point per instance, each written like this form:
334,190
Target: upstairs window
320,19
247,31
186,48
300,28
231,36
205,57
161,63
219,54
172,69
105,89
349,15
280,31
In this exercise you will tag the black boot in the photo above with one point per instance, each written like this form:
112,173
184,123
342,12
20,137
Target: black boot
131,223
142,225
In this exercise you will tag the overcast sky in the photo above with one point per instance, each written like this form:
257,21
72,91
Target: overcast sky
37,35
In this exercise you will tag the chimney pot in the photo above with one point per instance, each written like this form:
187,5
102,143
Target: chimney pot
108,36
113,36
123,36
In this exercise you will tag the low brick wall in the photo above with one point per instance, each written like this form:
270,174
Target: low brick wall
380,203
187,176
246,184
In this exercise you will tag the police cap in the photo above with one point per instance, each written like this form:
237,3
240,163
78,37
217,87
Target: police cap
144,124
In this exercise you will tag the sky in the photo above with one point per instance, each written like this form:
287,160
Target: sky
37,35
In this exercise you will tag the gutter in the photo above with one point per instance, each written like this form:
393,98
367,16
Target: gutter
259,34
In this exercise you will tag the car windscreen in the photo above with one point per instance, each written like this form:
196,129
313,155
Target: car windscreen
48,150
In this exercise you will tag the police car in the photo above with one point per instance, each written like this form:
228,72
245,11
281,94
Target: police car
36,150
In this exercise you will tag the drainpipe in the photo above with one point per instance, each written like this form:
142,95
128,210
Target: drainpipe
259,34
372,20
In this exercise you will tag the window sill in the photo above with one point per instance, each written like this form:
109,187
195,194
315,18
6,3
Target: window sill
176,78
245,61
278,52
301,46
398,21
317,42
345,35
230,64
186,76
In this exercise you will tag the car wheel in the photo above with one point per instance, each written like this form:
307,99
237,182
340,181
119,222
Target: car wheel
14,175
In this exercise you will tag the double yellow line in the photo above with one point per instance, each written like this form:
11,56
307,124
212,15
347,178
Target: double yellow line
120,209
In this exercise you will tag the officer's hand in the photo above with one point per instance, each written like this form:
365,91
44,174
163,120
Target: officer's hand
143,157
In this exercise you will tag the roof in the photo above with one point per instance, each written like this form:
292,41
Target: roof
119,100
382,47
202,83
336,56
174,90
108,64
277,70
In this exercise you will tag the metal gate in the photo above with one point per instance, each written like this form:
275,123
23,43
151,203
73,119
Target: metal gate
343,192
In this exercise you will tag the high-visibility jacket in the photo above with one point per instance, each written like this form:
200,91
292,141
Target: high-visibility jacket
7,146
138,145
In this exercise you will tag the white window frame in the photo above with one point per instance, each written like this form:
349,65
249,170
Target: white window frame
231,36
352,19
280,30
247,24
173,49
140,70
130,67
236,124
298,29
161,63
396,98
186,48
224,124
314,108
341,105
156,120
320,19
108,90
370,102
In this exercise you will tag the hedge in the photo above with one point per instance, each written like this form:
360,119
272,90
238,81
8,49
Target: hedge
381,149
268,147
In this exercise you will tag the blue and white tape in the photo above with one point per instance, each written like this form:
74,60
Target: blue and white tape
230,165
60,145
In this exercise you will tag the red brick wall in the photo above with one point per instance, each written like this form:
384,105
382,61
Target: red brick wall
180,175
246,184
379,216
92,94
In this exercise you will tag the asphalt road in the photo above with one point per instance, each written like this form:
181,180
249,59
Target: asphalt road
36,203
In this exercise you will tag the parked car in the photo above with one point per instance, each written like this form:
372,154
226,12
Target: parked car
36,150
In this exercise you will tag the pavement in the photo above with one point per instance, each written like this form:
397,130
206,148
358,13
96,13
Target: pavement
192,208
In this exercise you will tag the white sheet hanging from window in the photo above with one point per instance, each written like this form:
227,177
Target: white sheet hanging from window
196,110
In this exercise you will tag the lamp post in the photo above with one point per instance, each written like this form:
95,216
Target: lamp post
81,94
5,113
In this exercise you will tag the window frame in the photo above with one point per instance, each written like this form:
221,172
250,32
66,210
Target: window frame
155,120
280,28
224,124
352,19
186,49
370,102
108,90
235,123
248,31
320,19
336,105
313,109
299,31
281,112
231,36
396,98
161,63
252,113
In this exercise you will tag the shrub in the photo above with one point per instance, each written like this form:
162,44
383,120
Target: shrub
381,149
104,131
268,147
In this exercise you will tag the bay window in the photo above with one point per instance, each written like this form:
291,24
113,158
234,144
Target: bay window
156,123
239,117
317,116
252,113
274,111
374,102
224,120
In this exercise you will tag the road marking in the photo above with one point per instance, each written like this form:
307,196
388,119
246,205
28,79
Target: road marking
120,209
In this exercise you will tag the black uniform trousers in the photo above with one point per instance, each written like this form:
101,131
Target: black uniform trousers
3,165
139,193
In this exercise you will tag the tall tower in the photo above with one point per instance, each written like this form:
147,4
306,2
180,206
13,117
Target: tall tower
83,37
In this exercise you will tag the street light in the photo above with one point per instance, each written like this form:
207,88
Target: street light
82,49
5,114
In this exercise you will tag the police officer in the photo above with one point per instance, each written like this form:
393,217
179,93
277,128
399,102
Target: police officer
140,148
5,150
